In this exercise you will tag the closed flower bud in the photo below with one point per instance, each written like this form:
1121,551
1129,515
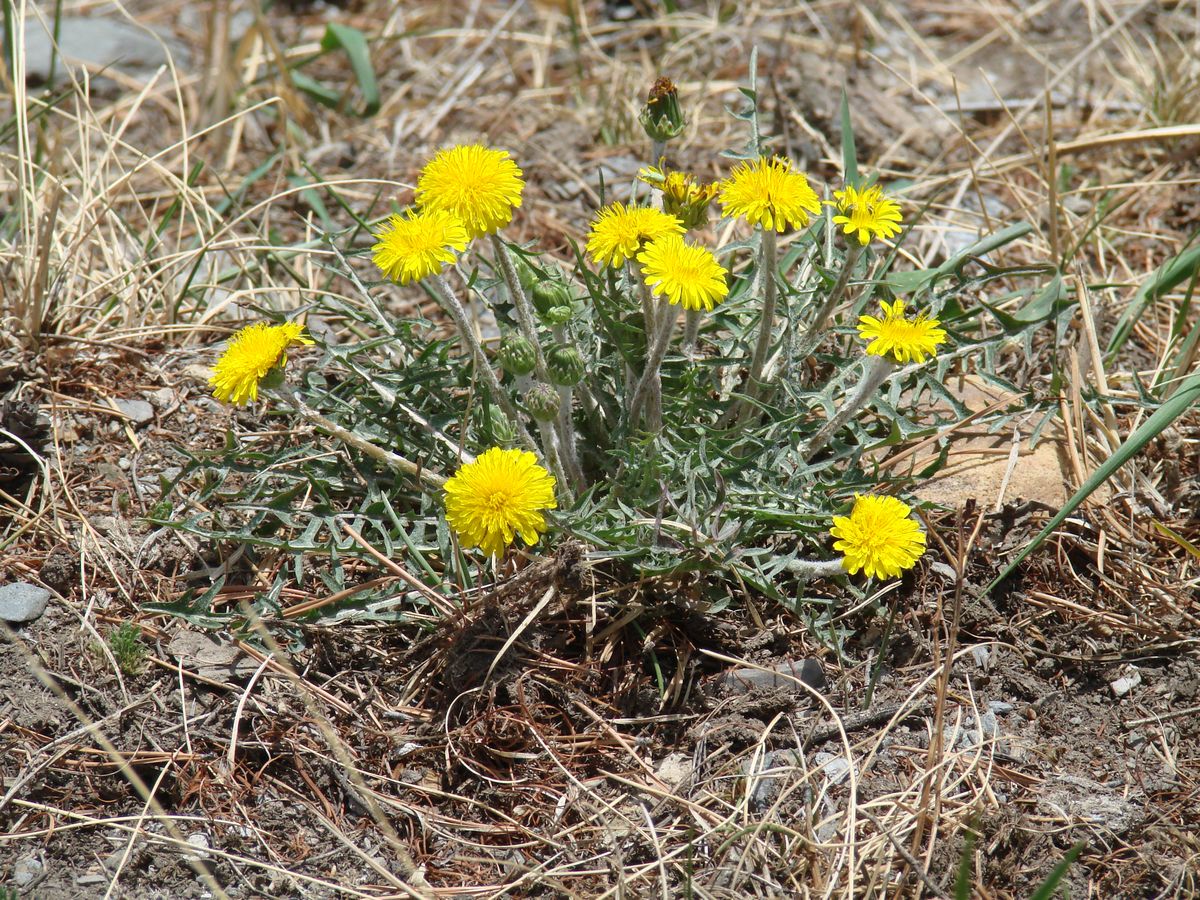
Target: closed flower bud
565,365
502,430
549,294
661,117
543,402
526,274
517,356
558,315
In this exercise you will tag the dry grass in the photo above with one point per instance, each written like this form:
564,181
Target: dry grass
527,745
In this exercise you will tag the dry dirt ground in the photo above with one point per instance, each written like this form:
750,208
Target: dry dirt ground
381,760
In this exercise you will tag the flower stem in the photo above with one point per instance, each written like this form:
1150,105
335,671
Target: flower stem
521,305
459,315
691,330
364,446
566,423
649,387
878,370
808,569
817,327
767,271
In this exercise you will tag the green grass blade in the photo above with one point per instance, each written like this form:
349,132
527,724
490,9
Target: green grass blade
1049,887
354,42
1166,277
1187,395
849,154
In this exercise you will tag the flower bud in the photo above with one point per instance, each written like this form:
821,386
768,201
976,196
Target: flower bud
558,315
661,117
549,294
517,355
543,402
526,274
565,365
502,429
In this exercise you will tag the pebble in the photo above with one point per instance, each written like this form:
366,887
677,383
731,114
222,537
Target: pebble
781,675
139,411
97,42
835,767
22,602
162,398
1126,683
26,871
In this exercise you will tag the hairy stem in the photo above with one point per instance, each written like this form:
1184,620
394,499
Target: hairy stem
767,272
521,304
650,385
455,309
877,372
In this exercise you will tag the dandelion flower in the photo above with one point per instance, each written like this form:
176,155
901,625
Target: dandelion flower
878,537
689,276
867,213
253,353
619,231
500,495
770,193
682,195
478,185
418,245
902,339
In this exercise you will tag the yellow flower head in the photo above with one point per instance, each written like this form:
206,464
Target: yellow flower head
500,495
770,193
689,276
681,195
619,231
902,339
250,357
478,185
419,245
867,213
878,537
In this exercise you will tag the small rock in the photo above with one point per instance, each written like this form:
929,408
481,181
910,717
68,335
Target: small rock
999,707
97,42
199,373
95,878
124,464
782,675
200,842
162,398
26,871
60,568
674,769
22,602
1126,683
982,654
835,767
139,411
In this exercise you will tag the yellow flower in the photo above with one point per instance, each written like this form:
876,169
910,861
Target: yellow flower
689,276
867,213
770,193
478,185
681,195
500,495
619,231
903,339
253,353
419,245
878,537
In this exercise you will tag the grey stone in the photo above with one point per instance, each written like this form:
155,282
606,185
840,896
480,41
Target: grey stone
26,871
1126,683
835,767
139,411
675,769
97,43
781,675
1000,707
22,602
161,398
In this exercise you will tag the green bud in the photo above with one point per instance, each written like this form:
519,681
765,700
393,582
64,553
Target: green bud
661,117
543,402
517,355
502,430
558,315
565,365
549,294
526,274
